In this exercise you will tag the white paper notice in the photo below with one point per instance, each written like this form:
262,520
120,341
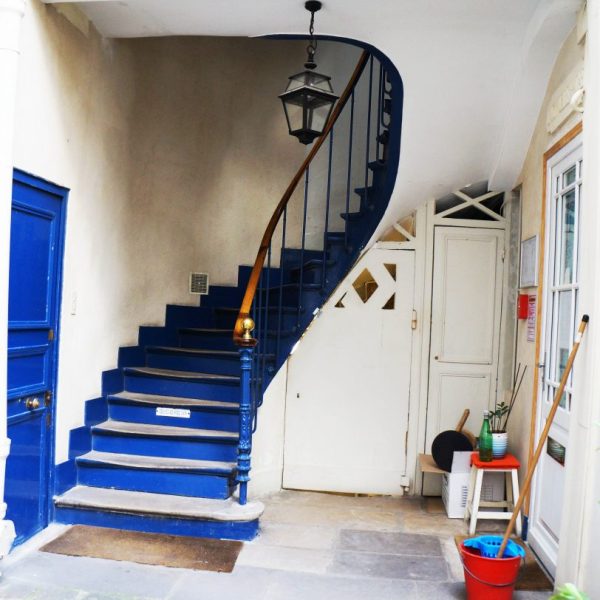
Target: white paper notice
531,318
180,413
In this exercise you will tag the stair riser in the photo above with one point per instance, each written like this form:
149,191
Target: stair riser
223,296
199,419
137,480
199,364
189,316
207,341
310,275
186,389
232,530
225,319
157,336
166,447
291,296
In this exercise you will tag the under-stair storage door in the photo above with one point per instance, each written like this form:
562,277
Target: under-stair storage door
349,382
465,326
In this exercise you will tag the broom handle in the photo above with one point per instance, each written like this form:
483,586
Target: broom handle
545,432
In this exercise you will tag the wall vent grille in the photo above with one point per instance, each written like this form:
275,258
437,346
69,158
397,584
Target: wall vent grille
199,283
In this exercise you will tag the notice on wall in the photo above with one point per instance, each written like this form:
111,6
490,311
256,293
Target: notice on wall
180,413
531,318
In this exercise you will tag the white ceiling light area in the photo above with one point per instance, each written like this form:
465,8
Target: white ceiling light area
474,72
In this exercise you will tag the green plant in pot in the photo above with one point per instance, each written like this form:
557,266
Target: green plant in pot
501,414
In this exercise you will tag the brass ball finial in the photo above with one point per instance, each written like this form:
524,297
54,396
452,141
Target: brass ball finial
248,327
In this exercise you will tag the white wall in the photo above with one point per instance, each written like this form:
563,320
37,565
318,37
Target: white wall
474,72
175,152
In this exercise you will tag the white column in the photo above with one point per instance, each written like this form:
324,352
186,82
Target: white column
11,14
588,574
580,527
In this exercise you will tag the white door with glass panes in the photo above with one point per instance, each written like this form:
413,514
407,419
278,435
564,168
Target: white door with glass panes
559,325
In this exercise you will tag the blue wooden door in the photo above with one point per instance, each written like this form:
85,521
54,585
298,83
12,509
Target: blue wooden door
34,292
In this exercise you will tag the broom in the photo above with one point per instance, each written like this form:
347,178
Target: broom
545,432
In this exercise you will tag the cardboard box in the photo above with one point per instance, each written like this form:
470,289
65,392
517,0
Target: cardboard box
455,486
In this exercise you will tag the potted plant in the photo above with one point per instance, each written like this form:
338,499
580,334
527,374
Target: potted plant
500,415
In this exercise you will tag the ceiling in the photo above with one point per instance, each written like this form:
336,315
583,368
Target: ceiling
474,71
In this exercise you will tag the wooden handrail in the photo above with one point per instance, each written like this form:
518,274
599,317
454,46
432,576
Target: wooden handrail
270,230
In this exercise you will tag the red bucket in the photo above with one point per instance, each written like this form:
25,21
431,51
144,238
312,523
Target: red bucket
489,578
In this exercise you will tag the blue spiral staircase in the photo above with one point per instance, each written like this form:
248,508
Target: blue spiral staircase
160,450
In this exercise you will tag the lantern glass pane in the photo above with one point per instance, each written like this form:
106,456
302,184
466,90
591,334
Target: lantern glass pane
317,116
310,79
294,114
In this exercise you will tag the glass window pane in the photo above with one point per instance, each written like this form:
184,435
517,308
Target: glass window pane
567,238
569,176
564,334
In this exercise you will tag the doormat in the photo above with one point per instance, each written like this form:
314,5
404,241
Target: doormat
531,576
201,554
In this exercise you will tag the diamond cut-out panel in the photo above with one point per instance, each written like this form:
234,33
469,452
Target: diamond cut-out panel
340,302
391,269
390,304
365,285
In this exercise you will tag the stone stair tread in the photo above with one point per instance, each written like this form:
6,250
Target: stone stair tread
196,351
157,400
172,374
165,505
147,429
211,330
158,463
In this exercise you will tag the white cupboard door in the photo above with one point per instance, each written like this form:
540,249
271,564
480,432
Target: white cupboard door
465,326
349,383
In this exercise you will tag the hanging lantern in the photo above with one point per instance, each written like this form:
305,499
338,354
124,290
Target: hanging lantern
308,99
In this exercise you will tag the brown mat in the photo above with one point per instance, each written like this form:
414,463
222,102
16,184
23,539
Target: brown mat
531,576
201,554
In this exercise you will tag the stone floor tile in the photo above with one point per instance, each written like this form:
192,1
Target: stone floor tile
247,583
94,575
294,586
453,590
288,559
22,590
387,542
386,565
452,556
349,518
434,525
296,536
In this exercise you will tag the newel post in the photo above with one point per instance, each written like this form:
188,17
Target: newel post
247,344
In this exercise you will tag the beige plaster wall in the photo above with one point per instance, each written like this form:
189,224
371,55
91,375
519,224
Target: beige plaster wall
74,104
531,180
175,151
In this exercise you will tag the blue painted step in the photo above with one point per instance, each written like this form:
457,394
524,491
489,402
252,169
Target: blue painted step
209,338
160,513
189,384
218,362
183,477
143,408
164,440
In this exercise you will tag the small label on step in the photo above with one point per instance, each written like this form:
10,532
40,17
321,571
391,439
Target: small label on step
180,413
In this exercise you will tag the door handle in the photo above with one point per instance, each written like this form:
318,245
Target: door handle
32,403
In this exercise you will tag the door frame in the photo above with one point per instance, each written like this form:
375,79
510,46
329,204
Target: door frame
430,219
551,159
38,183
541,294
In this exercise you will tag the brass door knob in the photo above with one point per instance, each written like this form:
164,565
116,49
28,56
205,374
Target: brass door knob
32,403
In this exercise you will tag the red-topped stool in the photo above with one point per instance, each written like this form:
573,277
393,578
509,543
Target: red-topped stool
508,465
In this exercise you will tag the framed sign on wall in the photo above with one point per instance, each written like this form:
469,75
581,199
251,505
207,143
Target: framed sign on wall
529,260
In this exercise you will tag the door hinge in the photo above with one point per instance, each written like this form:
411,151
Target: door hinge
50,335
503,256
413,323
48,398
